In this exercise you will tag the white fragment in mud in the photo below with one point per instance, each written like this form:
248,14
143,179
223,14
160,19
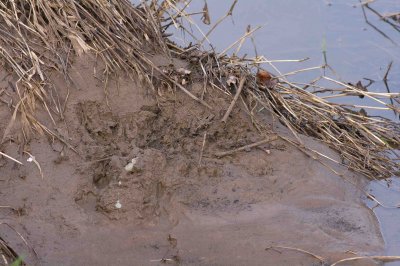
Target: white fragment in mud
184,81
231,80
33,159
183,71
129,166
118,205
119,183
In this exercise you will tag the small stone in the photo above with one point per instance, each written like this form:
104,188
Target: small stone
129,166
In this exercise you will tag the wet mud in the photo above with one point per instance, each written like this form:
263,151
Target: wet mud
135,181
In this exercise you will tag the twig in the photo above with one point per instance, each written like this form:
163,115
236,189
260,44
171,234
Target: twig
373,26
268,139
385,82
179,85
299,71
380,258
33,159
11,158
394,26
321,259
202,148
239,90
387,71
23,239
218,22
262,60
238,41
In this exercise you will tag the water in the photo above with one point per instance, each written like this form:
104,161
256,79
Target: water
298,29
355,50
388,218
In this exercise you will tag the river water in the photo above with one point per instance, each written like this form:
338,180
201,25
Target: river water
300,29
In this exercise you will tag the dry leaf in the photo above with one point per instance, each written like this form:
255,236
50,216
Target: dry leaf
206,15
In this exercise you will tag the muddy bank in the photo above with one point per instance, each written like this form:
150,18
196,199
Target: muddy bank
178,202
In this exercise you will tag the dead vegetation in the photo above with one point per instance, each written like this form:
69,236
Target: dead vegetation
391,19
7,254
366,144
37,37
323,261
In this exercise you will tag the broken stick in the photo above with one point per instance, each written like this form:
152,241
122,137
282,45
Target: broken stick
241,84
268,139
9,157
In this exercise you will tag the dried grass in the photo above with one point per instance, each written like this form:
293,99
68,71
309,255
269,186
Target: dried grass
38,36
366,144
324,261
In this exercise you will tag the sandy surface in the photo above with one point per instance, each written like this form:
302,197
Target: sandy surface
220,211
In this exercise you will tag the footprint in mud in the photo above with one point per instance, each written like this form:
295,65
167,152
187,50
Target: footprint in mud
99,123
138,191
106,171
87,201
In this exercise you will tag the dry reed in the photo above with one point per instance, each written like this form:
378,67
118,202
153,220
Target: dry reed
37,37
